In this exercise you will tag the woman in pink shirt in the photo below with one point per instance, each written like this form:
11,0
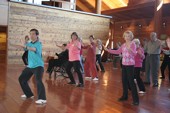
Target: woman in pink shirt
138,65
128,50
74,48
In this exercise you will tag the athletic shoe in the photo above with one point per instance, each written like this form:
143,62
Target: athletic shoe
95,79
25,97
88,78
40,101
141,92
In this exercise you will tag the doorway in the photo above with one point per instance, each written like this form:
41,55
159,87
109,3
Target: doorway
3,44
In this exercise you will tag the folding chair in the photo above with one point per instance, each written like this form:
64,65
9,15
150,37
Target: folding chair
60,71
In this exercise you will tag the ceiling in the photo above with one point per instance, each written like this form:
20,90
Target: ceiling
119,11
141,11
89,5
145,10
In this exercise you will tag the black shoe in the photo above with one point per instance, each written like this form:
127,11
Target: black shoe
71,83
122,99
80,85
147,83
162,77
135,103
155,85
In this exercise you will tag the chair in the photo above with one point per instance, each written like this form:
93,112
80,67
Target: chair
60,71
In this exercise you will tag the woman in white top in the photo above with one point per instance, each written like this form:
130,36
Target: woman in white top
98,54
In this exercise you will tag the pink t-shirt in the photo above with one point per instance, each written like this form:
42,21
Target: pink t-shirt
128,55
139,58
74,51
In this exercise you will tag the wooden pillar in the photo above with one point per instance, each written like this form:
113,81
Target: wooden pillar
158,17
112,32
98,6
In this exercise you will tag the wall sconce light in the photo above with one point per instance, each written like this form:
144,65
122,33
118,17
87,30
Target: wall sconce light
164,24
140,26
121,27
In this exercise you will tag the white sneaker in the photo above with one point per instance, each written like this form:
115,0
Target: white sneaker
95,79
141,92
40,101
88,78
24,96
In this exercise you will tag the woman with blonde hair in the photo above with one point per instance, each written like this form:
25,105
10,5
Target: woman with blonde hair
128,50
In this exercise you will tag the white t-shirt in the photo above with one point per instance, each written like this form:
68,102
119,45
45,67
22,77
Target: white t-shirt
98,49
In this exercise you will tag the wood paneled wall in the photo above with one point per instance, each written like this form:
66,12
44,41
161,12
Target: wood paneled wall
53,25
147,26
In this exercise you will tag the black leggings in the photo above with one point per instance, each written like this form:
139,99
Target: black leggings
98,59
128,77
77,66
165,63
138,79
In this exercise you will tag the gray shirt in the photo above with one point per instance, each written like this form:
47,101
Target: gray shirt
153,47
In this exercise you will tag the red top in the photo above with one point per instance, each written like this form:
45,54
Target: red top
91,52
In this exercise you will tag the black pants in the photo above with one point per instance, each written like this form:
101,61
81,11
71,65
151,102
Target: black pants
77,66
115,60
128,77
98,59
121,62
165,63
25,57
54,62
143,63
138,79
26,75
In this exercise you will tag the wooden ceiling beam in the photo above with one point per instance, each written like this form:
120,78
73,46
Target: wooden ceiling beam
112,11
88,5
105,6
82,6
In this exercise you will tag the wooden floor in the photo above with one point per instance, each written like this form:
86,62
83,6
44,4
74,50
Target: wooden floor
95,97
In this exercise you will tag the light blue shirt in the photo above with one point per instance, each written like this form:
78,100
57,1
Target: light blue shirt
35,57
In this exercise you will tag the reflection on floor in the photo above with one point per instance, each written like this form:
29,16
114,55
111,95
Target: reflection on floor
95,97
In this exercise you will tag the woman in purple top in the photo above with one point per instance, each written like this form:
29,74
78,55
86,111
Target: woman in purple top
128,50
138,65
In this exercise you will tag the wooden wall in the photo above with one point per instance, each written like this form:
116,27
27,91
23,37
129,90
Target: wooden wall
139,32
53,24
